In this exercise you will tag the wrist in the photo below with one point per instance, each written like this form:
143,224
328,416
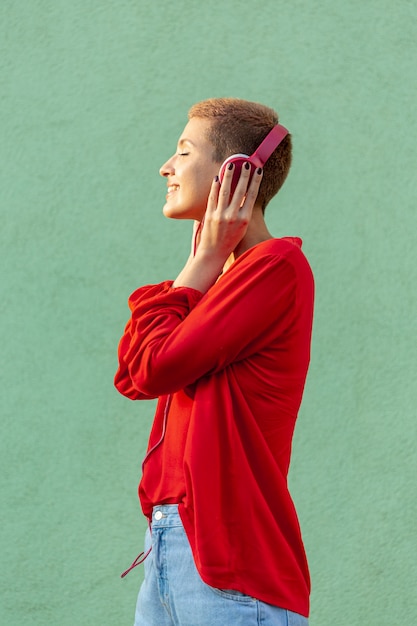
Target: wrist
201,272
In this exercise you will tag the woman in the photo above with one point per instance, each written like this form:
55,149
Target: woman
225,347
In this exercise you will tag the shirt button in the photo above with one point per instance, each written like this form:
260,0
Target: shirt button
158,515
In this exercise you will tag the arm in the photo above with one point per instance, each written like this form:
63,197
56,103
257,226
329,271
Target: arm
171,342
176,336
224,227
145,299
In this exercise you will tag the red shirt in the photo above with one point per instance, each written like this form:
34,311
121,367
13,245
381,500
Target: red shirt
229,369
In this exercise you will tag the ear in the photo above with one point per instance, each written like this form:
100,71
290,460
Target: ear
238,160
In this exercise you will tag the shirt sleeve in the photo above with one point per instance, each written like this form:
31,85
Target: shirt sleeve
176,336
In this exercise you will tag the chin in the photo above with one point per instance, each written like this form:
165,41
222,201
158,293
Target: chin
176,213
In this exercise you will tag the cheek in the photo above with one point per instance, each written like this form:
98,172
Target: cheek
205,181
197,191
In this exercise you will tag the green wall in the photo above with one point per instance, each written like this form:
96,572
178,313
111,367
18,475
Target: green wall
93,95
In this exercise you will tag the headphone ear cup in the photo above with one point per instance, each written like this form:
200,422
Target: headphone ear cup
238,160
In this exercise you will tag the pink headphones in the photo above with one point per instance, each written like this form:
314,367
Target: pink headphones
258,158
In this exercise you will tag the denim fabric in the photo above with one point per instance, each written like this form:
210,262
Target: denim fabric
173,593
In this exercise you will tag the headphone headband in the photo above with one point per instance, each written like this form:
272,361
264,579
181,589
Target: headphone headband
258,158
266,148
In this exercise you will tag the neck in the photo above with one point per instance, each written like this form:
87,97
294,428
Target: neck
257,232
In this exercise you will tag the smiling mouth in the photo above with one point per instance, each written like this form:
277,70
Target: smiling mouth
172,188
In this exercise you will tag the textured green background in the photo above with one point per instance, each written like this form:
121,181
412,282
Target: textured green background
92,97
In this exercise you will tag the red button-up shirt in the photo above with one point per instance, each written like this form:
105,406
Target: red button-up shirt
229,369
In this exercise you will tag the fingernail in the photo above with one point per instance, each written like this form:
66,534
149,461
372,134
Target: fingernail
247,166
230,166
216,179
259,170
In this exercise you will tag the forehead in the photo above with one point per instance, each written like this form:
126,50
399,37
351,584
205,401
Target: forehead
196,132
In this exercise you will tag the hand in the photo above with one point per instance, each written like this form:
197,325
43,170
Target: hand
224,225
227,217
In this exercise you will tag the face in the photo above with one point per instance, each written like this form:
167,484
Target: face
189,172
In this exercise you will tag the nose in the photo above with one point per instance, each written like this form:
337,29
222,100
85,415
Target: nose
167,168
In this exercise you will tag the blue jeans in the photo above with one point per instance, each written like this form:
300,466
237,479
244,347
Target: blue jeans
173,593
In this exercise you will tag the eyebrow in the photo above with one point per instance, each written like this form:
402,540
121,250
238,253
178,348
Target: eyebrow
185,140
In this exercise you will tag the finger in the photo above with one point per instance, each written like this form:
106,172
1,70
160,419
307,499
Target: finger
253,189
196,235
241,186
213,195
224,197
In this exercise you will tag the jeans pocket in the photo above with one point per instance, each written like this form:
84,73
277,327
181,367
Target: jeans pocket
232,594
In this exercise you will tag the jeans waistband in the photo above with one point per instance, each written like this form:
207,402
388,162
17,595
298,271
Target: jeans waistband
165,516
